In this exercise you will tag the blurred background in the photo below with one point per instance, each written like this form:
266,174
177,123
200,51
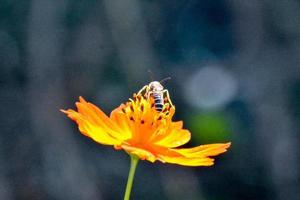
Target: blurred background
235,69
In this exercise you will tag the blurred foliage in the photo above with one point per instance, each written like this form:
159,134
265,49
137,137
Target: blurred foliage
209,127
51,52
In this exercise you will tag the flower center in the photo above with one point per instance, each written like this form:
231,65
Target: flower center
142,110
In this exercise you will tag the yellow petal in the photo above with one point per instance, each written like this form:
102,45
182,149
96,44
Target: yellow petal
196,156
204,150
97,133
188,161
98,118
121,120
174,136
94,123
143,154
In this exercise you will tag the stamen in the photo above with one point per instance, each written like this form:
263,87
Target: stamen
123,110
142,121
131,118
165,109
131,108
159,118
142,107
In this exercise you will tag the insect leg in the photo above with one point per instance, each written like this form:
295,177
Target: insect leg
168,96
148,94
145,88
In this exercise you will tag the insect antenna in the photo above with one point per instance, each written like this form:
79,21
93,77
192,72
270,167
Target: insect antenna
151,75
165,79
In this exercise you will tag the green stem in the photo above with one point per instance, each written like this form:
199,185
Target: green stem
133,163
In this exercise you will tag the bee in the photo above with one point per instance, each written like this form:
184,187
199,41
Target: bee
156,91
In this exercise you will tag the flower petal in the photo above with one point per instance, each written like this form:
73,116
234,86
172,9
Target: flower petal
143,154
196,156
174,136
99,118
97,133
188,161
204,150
94,123
121,120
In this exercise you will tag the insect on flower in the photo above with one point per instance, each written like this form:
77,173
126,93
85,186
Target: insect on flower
157,91
144,130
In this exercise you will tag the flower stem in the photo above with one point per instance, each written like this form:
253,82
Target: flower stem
133,163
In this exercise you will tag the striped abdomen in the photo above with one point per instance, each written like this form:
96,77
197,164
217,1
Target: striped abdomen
158,101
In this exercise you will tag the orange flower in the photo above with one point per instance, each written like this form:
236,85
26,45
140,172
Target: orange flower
139,129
